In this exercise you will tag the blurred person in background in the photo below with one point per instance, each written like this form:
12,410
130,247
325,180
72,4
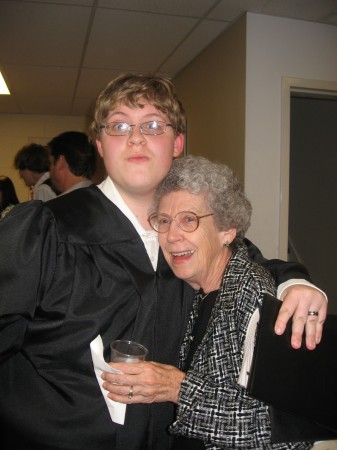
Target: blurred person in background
8,197
72,161
32,162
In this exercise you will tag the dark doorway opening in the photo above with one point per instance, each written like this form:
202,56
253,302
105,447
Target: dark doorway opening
312,231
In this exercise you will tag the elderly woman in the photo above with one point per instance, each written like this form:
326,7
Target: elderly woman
201,215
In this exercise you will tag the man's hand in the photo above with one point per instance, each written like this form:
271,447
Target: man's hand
298,300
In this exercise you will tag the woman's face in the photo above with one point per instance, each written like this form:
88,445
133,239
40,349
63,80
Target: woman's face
198,257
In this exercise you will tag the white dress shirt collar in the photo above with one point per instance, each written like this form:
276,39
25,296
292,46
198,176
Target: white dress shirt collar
149,238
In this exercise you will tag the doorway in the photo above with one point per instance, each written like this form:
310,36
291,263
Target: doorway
312,184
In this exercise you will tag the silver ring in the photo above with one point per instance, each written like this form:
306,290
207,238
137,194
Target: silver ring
130,394
313,313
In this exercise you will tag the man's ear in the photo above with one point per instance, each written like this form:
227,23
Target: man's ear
61,163
178,145
99,147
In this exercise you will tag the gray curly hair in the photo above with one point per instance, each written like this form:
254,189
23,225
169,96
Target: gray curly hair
224,191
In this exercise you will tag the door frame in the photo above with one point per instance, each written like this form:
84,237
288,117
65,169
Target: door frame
311,88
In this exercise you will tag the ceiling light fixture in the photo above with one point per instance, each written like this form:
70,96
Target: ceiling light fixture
3,86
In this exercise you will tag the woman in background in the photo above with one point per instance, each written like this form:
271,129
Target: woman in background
8,197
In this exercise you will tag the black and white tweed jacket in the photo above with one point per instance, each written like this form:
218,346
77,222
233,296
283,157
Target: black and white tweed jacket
212,406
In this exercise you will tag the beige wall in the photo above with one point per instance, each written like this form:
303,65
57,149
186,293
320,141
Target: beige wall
234,86
17,130
277,48
212,89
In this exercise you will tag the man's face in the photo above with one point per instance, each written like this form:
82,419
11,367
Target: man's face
27,176
136,162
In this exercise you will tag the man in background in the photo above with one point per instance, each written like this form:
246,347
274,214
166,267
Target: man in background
32,162
72,161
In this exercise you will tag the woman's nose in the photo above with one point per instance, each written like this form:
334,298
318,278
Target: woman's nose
174,232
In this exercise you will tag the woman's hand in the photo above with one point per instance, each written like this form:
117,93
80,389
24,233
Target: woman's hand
298,300
143,382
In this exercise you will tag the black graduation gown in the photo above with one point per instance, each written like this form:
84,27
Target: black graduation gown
71,269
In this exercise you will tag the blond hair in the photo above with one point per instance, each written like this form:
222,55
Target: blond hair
130,89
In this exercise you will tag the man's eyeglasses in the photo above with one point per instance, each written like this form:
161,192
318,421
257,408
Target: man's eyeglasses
151,128
186,220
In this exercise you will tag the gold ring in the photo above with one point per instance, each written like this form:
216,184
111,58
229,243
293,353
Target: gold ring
130,394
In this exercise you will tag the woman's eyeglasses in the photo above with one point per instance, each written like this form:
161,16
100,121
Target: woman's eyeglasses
186,220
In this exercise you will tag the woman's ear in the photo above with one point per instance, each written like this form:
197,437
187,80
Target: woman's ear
228,236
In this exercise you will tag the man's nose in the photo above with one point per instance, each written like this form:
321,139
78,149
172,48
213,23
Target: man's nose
135,135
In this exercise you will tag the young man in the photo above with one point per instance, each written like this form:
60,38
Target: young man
93,268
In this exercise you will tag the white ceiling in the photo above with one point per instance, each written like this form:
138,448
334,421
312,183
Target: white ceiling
56,55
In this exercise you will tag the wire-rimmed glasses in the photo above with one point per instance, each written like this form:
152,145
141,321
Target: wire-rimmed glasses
186,220
151,128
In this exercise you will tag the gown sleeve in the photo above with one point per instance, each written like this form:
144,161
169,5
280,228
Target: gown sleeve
27,254
280,270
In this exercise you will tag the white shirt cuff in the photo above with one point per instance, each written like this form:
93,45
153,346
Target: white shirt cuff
294,281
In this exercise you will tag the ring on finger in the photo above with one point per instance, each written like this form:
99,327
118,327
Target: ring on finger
312,313
130,394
